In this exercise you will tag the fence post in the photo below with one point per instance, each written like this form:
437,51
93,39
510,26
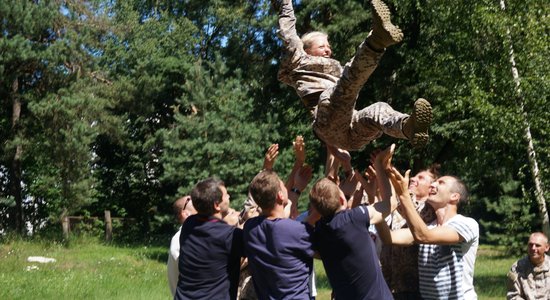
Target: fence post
108,226
65,226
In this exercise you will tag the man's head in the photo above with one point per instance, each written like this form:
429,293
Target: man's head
266,189
210,197
419,185
447,190
183,208
316,44
326,197
537,247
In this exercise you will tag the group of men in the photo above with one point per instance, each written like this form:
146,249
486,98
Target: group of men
441,244
280,250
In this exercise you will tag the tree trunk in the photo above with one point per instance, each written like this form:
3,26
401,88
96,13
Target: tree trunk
531,153
15,171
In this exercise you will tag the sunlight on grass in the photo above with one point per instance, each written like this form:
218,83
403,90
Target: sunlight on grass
88,269
84,270
489,277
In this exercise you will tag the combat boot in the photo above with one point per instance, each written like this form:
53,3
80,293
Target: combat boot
384,33
416,127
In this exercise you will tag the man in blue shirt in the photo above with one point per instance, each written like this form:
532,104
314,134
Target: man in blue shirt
343,240
211,250
278,249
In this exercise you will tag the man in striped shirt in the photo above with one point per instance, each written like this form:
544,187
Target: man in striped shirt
448,245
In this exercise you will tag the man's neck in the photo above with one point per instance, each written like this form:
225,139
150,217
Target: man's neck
444,214
538,262
277,212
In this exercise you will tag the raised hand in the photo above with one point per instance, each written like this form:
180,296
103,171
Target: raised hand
299,150
303,177
400,183
271,156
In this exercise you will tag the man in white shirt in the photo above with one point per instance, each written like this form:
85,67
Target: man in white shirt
183,208
448,245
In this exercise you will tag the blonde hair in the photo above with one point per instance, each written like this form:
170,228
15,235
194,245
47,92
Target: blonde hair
325,197
307,39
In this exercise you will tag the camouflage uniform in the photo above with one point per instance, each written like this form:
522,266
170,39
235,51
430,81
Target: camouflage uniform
400,264
330,90
526,281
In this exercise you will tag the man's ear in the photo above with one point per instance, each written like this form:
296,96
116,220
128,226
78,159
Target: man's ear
455,198
343,200
280,198
217,206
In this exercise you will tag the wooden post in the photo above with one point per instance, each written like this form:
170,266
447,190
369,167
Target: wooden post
65,225
108,226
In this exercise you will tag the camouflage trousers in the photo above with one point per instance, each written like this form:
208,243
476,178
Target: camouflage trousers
336,121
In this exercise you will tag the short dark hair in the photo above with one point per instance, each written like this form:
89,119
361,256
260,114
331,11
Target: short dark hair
460,187
207,193
264,188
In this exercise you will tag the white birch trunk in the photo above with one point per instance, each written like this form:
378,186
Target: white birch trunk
539,193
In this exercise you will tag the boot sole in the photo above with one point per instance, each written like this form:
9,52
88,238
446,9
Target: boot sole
422,115
381,10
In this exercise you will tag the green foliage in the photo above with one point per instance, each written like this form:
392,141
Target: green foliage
216,133
125,105
512,220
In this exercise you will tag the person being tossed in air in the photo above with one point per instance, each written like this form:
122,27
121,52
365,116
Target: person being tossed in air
330,91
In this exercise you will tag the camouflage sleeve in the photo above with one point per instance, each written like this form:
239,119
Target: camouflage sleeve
514,287
293,46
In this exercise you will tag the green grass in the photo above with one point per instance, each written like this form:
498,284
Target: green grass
489,275
87,269
84,270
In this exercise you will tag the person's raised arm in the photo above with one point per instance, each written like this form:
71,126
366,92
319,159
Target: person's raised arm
301,180
420,231
287,25
379,210
400,237
299,148
369,185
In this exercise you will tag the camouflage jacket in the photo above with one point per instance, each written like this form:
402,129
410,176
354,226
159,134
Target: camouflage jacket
399,263
305,73
526,281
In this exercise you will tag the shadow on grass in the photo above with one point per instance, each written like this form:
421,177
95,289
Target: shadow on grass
158,254
491,285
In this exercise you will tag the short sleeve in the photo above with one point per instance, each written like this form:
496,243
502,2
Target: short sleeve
467,228
361,215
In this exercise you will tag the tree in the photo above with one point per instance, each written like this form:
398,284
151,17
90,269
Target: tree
47,52
216,132
531,153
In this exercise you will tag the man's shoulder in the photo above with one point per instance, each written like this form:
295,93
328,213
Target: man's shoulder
520,267
464,225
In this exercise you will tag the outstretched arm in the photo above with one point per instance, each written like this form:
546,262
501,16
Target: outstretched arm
400,237
299,159
293,46
422,234
287,25
381,209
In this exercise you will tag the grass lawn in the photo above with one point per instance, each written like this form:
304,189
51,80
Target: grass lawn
84,270
87,269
